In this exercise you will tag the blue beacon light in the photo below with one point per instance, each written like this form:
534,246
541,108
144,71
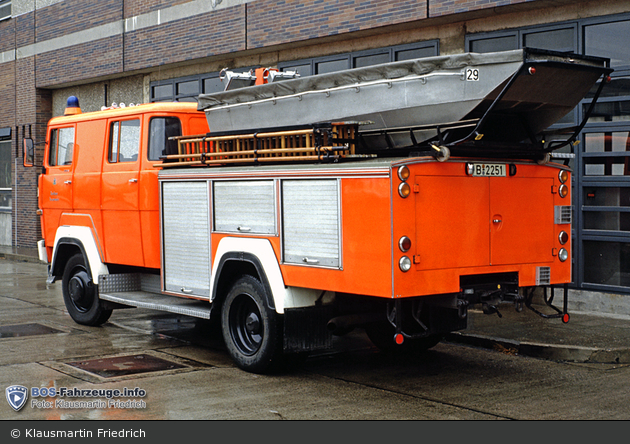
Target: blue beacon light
72,106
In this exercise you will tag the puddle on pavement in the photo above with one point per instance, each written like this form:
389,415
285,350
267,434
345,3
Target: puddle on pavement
19,330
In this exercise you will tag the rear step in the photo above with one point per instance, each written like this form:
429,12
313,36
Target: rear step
143,291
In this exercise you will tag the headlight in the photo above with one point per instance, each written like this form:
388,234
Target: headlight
404,263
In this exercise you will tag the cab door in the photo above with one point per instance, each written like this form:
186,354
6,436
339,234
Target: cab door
119,193
56,184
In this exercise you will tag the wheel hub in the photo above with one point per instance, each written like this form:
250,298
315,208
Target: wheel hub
78,287
252,323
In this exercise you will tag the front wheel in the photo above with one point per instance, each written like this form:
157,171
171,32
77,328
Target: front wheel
250,328
80,294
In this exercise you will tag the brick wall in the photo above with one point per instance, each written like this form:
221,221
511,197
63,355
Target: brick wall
272,22
71,16
137,7
221,32
438,8
88,60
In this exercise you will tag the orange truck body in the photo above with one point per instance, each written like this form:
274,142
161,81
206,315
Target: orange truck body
399,246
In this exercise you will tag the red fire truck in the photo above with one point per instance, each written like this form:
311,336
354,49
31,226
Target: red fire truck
391,198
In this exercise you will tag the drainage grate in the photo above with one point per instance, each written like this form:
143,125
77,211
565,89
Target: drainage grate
15,331
125,365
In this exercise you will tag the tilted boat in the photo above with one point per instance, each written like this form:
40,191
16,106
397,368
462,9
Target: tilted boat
504,98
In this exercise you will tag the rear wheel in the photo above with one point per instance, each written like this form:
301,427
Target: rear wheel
250,328
80,294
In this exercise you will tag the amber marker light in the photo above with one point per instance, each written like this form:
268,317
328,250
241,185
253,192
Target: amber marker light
563,176
563,190
403,173
404,189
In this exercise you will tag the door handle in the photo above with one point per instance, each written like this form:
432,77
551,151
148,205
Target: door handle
67,182
133,180
496,221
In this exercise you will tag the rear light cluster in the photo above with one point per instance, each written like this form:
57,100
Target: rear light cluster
563,236
404,243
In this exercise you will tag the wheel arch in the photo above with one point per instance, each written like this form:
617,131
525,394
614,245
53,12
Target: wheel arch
71,240
236,257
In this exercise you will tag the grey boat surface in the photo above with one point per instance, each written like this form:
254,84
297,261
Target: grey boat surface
514,94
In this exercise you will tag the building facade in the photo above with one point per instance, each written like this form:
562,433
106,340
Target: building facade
140,51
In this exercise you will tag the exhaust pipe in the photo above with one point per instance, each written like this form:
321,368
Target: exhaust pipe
342,325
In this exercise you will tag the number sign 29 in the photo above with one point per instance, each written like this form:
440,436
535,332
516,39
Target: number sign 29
472,75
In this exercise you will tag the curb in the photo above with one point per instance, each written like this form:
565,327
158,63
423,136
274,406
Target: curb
552,352
20,258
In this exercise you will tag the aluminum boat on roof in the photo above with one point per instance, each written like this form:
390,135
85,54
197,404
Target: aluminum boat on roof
415,92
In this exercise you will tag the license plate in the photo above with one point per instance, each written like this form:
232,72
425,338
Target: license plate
487,169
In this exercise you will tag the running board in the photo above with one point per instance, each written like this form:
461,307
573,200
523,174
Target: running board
160,302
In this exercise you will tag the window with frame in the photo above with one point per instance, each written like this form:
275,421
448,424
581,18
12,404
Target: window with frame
61,146
5,175
160,130
5,9
124,141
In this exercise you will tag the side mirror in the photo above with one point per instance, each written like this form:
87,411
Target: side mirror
28,152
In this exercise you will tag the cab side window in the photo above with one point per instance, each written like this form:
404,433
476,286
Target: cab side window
61,146
160,129
124,141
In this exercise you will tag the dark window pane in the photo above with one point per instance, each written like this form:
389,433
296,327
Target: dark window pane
302,70
409,54
557,40
618,86
212,85
331,66
160,129
369,60
609,40
607,220
5,165
607,263
162,92
610,111
188,88
607,196
494,44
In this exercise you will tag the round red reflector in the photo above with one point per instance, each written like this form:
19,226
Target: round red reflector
399,338
532,71
404,244
565,318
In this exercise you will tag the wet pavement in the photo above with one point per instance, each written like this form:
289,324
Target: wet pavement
182,367
587,337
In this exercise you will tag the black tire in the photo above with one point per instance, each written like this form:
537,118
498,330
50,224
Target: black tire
80,294
251,330
382,336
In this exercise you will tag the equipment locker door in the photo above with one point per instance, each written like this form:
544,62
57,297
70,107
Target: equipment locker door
521,220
